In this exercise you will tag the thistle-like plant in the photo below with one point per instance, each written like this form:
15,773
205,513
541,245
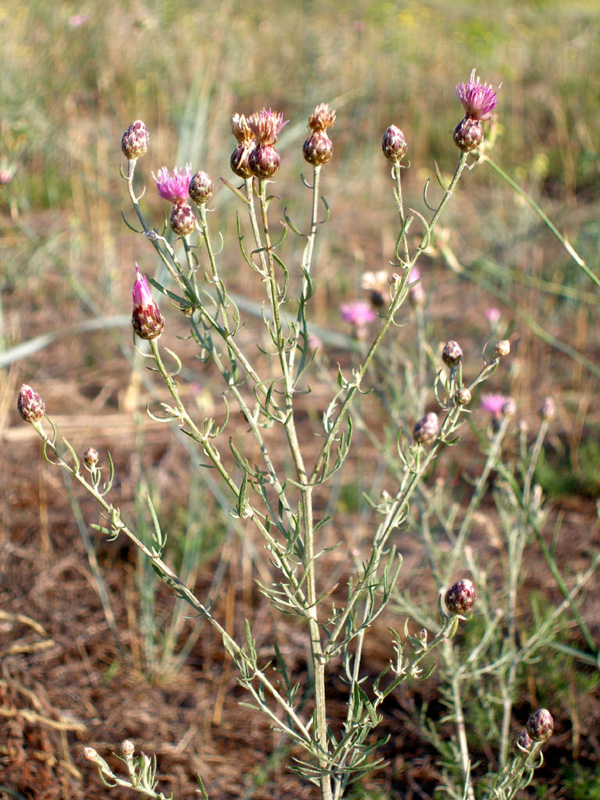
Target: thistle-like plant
265,382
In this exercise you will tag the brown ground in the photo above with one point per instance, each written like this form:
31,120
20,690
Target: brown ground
66,683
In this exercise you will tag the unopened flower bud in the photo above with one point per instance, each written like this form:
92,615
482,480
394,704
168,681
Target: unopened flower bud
540,725
30,405
460,598
90,457
468,134
201,188
90,754
318,148
264,161
182,220
135,140
127,748
524,741
502,349
463,396
239,160
452,354
393,144
147,321
427,429
547,410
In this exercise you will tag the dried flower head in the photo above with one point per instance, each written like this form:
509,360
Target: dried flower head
147,321
460,598
426,430
266,126
394,144
322,117
502,348
135,140
174,188
378,284
477,100
263,160
241,130
540,725
30,405
201,188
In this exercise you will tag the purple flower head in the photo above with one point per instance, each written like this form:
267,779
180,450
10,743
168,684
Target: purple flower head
266,125
175,189
357,313
478,100
494,403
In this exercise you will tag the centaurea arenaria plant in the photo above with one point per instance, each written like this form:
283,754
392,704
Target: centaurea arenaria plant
277,495
478,101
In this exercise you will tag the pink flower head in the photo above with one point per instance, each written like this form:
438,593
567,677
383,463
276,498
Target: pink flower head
77,20
147,321
357,313
175,189
141,291
6,176
477,100
494,403
266,125
415,287
493,315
